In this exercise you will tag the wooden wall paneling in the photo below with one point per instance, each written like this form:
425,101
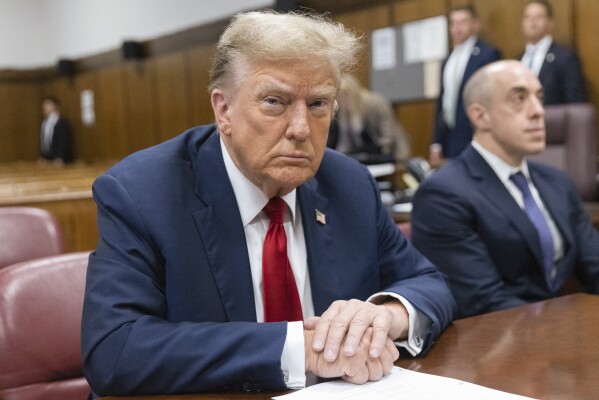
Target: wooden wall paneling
459,3
585,33
199,61
77,219
412,10
110,100
142,106
25,104
417,117
364,21
86,139
173,97
20,121
8,146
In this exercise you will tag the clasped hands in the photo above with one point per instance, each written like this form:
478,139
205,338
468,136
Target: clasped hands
353,340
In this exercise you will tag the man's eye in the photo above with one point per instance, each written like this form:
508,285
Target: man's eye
272,101
319,103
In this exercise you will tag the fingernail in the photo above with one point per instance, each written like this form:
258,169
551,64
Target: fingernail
349,350
329,356
317,344
374,352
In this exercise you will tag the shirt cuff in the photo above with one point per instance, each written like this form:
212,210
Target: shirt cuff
293,358
436,147
418,323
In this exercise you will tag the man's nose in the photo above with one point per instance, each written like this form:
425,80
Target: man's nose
299,123
536,108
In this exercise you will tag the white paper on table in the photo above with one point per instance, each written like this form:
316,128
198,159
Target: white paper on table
401,382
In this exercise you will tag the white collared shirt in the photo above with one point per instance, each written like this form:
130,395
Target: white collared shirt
250,201
48,131
535,54
453,74
503,171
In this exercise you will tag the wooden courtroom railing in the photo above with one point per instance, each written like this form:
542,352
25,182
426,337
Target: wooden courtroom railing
64,191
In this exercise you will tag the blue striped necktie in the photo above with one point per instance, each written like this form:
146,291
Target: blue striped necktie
538,220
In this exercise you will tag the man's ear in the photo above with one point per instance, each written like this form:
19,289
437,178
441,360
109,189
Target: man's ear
477,113
220,106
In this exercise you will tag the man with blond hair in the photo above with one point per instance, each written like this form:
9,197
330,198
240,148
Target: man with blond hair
243,255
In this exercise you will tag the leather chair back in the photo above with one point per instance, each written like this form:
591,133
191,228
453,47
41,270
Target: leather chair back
571,145
27,233
41,302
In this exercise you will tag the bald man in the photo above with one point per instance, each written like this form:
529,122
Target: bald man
506,231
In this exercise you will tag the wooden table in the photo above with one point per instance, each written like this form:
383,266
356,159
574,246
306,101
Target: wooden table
547,350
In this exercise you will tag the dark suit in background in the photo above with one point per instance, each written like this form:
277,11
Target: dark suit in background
455,140
60,146
561,76
467,223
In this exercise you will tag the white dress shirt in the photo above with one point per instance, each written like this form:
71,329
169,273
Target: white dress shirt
535,54
250,201
503,172
48,131
453,74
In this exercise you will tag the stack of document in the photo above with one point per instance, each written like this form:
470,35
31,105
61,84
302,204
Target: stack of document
401,384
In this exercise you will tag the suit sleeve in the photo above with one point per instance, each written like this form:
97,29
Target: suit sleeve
586,238
62,140
406,272
573,80
130,347
444,230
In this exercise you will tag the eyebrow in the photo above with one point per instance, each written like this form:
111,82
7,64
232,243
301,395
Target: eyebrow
275,87
523,89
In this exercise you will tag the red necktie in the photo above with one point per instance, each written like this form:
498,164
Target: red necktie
281,301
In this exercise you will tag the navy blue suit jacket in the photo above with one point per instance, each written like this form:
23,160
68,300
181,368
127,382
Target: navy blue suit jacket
455,140
169,304
467,223
561,76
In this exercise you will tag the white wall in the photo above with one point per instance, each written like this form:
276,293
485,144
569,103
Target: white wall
36,33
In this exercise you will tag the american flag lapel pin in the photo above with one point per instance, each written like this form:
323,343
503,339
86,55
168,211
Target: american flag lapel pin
320,217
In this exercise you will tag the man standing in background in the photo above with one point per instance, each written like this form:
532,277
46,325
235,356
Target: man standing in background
557,66
55,138
452,131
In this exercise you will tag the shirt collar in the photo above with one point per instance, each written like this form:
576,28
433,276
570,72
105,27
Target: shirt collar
467,46
53,117
542,45
502,169
250,199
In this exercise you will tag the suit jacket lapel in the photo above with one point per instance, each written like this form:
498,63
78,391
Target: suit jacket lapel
547,62
495,191
319,245
221,230
471,65
556,203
